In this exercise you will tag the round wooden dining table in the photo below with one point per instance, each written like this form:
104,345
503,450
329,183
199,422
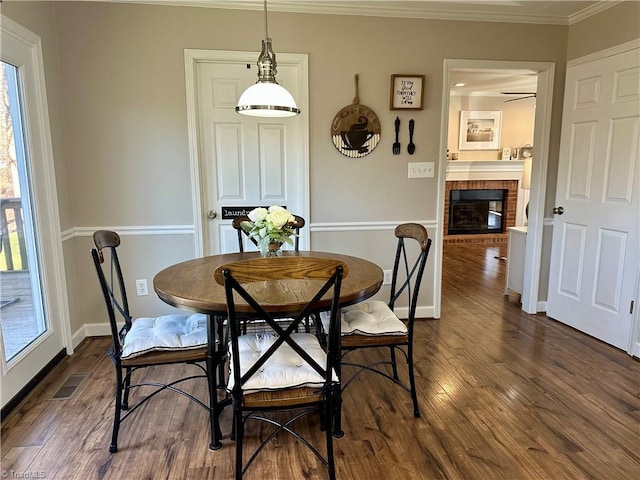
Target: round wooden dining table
191,285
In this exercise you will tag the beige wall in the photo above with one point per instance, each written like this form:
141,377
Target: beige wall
518,120
612,27
115,79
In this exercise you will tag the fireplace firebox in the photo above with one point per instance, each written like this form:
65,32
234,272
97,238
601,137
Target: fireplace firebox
476,211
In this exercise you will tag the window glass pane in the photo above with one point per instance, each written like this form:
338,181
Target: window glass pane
22,316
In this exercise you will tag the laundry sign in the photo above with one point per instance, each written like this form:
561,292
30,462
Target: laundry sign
229,213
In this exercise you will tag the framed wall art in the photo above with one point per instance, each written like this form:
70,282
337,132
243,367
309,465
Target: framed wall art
406,92
480,130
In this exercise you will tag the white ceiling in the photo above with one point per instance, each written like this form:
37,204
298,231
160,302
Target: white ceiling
520,11
507,83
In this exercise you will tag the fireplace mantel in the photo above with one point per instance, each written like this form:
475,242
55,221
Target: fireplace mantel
485,169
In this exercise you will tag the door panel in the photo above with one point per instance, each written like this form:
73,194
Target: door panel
595,253
581,160
572,262
608,275
623,145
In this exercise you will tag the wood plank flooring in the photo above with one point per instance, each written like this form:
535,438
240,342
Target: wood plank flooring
503,395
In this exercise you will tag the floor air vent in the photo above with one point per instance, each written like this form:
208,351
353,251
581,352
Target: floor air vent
69,387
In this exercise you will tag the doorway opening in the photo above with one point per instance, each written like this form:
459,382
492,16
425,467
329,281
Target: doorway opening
495,86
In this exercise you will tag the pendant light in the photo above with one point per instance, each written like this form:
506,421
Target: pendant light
266,98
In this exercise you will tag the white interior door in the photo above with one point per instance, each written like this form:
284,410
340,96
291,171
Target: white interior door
595,259
247,161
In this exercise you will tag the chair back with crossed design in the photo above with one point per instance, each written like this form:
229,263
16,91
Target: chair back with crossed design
374,324
237,225
148,341
278,368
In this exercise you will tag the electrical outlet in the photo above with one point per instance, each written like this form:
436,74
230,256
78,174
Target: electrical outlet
387,277
141,287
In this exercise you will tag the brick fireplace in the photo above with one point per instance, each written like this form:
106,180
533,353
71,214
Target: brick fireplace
509,214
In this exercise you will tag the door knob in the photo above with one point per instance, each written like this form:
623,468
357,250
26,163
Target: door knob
558,210
211,214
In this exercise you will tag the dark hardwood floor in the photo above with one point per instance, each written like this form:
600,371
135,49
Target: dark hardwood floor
503,394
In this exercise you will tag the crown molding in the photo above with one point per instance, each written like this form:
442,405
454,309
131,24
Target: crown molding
592,10
417,10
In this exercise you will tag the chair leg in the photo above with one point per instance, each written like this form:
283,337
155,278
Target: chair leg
335,412
239,430
330,460
221,346
113,448
127,389
232,436
394,366
412,382
214,407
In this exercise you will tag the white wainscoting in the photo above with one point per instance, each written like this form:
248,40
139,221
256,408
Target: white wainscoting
103,329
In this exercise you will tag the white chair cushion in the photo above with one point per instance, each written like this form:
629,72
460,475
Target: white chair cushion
285,369
373,317
167,332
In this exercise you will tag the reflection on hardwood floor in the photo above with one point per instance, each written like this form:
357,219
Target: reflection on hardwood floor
504,395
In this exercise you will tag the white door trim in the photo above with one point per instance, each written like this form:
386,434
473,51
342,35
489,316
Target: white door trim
47,218
537,194
542,133
191,58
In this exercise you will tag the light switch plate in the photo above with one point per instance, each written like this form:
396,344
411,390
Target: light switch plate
421,169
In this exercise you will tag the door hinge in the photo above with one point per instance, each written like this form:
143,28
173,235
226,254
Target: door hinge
631,307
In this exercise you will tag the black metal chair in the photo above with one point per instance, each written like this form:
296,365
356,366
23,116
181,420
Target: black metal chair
147,342
237,224
280,369
373,323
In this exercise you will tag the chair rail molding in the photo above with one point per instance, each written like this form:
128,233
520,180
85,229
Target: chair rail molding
74,232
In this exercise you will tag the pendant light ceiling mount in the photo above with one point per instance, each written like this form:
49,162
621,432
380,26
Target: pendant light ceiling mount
266,98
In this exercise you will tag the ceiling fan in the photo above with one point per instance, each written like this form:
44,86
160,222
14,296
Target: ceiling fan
526,95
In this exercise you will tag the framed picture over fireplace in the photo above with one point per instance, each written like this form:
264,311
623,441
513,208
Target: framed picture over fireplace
480,130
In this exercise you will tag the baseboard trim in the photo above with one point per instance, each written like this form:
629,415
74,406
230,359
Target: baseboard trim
26,390
90,330
421,312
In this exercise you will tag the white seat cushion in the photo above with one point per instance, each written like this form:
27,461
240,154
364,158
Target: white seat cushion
167,332
285,369
373,317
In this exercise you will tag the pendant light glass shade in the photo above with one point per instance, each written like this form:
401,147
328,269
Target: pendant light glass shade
267,98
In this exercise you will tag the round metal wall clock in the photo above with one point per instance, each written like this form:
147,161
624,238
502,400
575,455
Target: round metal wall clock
355,130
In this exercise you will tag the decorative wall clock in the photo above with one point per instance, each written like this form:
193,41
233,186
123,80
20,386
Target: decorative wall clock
355,130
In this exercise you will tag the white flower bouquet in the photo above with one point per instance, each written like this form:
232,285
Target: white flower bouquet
270,226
